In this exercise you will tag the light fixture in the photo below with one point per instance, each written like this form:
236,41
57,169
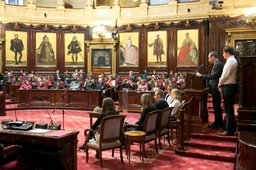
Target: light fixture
250,17
100,30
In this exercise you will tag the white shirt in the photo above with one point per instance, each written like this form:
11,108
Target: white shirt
229,73
168,98
175,103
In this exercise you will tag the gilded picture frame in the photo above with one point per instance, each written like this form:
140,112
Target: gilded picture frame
74,49
129,49
16,53
157,48
187,47
46,53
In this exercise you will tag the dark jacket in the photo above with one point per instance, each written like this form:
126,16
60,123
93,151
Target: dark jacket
214,77
144,114
161,104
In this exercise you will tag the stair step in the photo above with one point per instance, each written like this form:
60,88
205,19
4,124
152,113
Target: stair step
210,144
210,154
214,137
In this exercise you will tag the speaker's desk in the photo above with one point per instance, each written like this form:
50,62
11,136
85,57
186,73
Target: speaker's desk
45,150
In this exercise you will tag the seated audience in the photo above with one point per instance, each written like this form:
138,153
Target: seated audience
26,85
74,85
160,103
89,84
108,109
145,74
57,85
130,85
143,86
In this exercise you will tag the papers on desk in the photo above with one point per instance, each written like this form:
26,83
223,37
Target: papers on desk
40,130
131,120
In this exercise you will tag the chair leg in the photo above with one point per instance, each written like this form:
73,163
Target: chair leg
121,154
168,137
112,152
100,156
156,145
87,155
171,131
159,139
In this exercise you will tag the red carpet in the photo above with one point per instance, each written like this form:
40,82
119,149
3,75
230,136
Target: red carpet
79,120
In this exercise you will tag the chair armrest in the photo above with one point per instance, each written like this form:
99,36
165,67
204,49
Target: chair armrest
127,126
8,149
87,133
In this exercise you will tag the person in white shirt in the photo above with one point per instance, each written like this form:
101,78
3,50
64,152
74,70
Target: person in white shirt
175,103
228,88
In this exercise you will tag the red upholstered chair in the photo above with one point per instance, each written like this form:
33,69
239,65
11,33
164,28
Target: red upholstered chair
9,159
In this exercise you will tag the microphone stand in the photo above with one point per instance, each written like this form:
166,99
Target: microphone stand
63,101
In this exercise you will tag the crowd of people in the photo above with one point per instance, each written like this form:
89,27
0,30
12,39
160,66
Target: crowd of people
79,80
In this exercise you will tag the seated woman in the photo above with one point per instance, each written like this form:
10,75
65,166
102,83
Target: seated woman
143,86
108,109
74,85
145,109
175,102
26,85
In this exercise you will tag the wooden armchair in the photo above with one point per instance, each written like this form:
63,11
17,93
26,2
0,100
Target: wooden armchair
111,136
163,127
175,123
149,126
9,158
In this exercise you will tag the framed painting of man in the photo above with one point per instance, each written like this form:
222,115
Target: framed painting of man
46,53
157,47
16,48
187,47
74,49
129,49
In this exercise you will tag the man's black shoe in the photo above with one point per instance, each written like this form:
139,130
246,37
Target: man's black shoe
214,125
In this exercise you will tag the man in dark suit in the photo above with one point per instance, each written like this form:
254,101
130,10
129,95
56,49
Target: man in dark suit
57,76
213,78
160,103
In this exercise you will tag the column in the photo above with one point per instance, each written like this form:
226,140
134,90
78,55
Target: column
60,4
116,2
88,3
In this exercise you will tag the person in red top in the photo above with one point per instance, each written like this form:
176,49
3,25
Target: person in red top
26,85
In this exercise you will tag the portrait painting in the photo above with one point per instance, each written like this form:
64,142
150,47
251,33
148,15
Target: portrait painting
187,44
101,57
157,47
16,48
74,49
129,51
46,53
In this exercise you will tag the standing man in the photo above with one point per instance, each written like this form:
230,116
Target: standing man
213,78
74,48
17,47
158,48
228,87
160,103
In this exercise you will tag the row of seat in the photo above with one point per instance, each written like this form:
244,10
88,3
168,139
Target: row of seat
156,125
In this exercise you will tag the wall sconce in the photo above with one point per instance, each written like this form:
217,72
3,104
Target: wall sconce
100,31
250,17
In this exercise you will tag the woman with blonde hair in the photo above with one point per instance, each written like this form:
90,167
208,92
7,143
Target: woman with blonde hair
175,102
146,107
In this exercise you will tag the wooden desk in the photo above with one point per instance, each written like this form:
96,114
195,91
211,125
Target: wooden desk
53,150
74,99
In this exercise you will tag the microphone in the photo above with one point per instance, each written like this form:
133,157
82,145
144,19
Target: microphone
52,126
199,68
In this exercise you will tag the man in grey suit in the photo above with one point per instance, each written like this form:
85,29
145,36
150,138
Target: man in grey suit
213,78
